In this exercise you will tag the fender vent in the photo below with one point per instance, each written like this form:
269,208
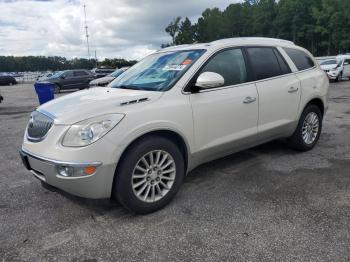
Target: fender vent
135,101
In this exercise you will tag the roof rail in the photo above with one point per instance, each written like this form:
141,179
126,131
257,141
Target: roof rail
264,39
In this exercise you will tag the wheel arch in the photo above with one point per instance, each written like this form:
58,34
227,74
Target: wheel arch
317,102
166,133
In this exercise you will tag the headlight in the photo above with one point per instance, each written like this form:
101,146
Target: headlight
90,130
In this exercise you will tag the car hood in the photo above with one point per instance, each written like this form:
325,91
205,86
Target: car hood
92,102
328,67
105,79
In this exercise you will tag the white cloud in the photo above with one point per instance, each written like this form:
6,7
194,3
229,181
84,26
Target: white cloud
122,28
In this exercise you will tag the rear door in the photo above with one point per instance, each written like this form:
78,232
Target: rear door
278,89
225,118
67,81
82,78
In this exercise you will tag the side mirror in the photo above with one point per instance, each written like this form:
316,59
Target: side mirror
209,80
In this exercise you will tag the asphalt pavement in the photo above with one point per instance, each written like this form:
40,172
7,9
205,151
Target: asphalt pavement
268,203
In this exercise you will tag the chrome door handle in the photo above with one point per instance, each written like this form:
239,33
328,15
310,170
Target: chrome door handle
293,89
249,100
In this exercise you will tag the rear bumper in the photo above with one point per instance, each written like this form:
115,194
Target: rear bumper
95,186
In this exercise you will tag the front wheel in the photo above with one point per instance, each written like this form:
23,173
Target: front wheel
149,175
57,89
339,77
309,129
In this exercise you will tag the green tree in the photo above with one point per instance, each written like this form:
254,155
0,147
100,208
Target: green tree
186,34
173,28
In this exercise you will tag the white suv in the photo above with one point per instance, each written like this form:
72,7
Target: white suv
337,68
177,108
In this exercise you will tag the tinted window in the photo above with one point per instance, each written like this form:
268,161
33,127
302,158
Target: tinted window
301,60
283,64
230,64
347,62
264,62
68,74
80,73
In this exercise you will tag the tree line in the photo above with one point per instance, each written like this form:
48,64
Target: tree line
55,63
321,26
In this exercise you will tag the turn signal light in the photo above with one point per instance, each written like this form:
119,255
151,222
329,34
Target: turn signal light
89,170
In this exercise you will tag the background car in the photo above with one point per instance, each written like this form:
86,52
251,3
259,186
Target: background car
70,79
47,75
101,72
104,81
337,68
7,80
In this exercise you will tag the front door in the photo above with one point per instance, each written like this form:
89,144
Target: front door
346,72
225,118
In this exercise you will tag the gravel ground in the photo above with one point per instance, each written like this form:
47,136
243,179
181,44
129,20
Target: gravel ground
268,203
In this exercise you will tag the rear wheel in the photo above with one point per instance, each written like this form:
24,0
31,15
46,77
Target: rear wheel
309,129
10,84
149,175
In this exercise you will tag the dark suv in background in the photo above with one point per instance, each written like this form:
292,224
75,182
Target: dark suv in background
70,79
7,80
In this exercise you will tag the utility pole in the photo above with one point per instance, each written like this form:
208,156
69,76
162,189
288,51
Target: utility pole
86,33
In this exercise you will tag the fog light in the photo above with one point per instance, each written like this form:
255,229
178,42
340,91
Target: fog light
65,171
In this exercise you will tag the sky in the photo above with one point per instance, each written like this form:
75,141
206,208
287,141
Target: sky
129,29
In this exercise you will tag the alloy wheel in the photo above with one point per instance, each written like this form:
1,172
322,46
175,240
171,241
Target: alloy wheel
153,176
310,128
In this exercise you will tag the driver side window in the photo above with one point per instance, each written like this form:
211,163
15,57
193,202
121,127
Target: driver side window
230,65
68,74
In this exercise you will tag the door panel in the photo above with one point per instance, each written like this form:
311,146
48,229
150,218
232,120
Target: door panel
346,72
279,100
223,122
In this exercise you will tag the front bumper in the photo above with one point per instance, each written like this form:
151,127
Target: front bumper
332,76
95,186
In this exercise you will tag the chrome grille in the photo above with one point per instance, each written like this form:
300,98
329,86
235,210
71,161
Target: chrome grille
38,126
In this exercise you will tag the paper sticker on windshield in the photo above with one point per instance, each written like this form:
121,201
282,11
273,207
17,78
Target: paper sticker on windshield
174,67
187,62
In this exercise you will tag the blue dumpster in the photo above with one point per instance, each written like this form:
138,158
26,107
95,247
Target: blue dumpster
44,91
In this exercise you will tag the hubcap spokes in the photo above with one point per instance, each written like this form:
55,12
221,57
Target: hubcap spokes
153,176
310,128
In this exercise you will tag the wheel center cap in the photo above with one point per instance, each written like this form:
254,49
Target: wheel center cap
153,175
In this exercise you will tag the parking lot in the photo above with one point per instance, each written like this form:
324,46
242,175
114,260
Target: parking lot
266,203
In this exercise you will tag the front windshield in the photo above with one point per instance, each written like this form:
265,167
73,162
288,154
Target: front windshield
57,74
157,72
330,62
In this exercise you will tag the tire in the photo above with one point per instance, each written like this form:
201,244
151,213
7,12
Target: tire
300,142
10,84
57,89
339,77
125,189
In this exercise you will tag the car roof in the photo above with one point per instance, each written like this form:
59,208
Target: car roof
237,41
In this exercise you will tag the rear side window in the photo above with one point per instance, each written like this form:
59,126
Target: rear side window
301,60
80,73
230,65
264,62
